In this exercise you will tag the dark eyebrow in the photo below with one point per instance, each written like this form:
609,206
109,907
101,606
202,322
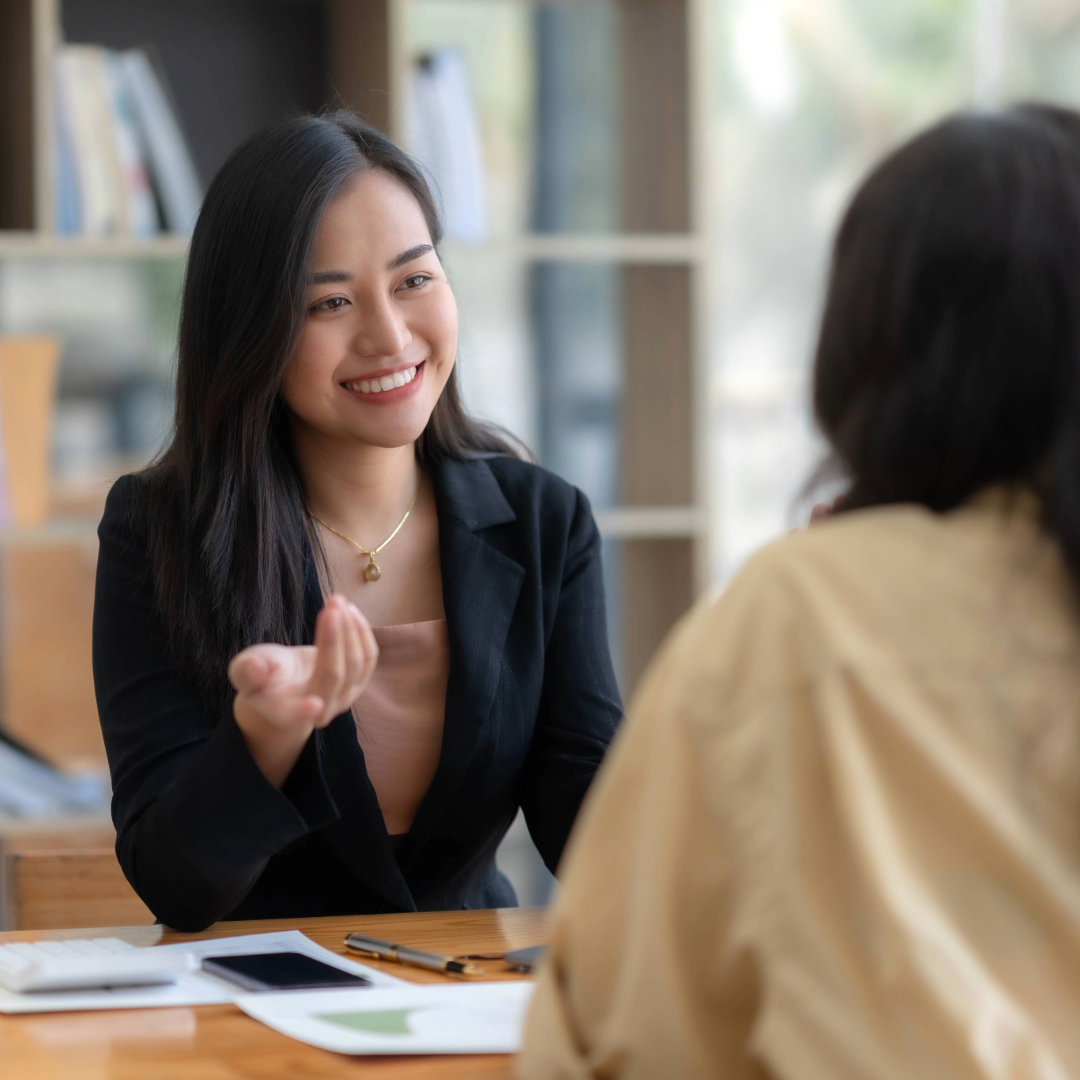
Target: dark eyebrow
408,256
327,277
332,277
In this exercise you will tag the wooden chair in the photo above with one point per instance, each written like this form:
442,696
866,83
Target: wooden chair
60,891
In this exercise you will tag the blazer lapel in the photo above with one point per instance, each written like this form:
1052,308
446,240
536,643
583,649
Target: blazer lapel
359,835
480,591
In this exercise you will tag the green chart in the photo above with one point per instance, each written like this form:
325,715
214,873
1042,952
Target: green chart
374,1022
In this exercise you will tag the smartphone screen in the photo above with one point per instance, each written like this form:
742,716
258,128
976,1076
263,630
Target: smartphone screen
280,971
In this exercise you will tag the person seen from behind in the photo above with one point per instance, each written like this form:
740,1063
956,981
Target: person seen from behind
839,838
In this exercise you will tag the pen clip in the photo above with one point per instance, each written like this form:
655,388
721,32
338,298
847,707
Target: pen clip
353,946
367,953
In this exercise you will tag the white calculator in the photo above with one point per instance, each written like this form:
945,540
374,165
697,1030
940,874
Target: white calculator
84,964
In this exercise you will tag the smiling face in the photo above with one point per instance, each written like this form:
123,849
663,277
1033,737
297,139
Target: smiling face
380,333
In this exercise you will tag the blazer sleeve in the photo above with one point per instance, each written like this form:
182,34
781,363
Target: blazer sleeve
196,819
580,706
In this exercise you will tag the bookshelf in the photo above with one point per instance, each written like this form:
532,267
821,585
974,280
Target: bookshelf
651,251
638,248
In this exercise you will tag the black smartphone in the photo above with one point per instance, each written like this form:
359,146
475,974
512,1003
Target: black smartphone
281,971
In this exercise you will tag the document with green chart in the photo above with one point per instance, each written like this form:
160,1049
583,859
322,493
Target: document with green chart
481,1018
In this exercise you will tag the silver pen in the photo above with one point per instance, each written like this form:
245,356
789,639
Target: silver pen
376,949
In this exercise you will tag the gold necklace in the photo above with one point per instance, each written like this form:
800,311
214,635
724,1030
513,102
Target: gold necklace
372,571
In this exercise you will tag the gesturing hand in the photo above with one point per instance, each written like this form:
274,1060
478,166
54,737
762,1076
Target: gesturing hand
284,692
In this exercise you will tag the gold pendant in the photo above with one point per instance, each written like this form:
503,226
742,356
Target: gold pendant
372,571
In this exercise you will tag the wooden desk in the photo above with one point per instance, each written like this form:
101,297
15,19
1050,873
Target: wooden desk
218,1042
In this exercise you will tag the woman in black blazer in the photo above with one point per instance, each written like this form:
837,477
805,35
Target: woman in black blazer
239,577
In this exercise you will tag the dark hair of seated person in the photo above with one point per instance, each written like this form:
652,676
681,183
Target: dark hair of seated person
949,351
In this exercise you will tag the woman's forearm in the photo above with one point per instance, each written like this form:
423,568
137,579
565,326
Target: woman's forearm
274,749
193,853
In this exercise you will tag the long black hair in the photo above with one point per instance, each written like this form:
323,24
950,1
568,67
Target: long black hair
226,502
949,352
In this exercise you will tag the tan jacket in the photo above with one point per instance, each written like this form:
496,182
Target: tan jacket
839,838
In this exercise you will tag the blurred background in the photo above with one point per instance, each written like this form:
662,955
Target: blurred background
639,198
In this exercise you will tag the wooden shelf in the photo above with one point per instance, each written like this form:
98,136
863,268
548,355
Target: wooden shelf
641,248
58,533
615,523
32,245
651,522
68,832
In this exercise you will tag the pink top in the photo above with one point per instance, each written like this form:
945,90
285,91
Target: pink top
399,717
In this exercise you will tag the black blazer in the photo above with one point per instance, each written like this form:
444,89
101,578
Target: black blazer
531,707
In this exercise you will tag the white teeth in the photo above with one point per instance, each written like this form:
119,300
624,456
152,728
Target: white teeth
384,382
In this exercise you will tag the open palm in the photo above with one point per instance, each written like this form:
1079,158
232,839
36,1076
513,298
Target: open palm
293,689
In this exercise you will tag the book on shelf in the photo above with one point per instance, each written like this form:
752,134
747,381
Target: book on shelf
7,515
123,165
68,197
93,155
29,370
139,211
444,136
171,163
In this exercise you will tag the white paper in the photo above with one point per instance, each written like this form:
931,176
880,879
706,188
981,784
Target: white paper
198,988
193,989
482,1018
